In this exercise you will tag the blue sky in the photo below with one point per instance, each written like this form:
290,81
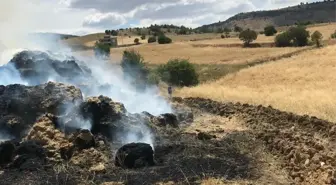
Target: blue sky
88,16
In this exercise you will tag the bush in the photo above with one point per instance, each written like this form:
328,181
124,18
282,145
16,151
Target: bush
316,37
299,35
153,78
261,32
270,30
152,39
143,37
283,40
133,65
101,50
222,36
294,36
136,41
238,29
333,36
248,36
164,40
179,72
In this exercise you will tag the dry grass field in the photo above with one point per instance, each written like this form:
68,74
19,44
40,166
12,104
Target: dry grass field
205,39
159,54
303,84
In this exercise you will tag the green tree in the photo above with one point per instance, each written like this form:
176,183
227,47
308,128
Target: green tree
179,72
248,36
227,30
316,37
299,35
114,33
136,41
162,39
270,30
333,36
238,29
101,50
283,40
133,65
151,39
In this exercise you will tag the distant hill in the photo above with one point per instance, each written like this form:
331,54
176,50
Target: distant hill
56,36
317,12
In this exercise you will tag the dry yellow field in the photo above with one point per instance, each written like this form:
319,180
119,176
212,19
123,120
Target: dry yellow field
303,84
208,38
159,54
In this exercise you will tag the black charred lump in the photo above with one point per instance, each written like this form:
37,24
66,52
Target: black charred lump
84,140
134,155
7,149
205,136
30,155
103,112
168,119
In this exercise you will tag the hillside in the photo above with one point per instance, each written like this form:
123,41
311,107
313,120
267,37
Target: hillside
289,84
55,35
313,12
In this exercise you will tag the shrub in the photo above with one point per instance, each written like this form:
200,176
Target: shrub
164,39
101,50
143,37
153,78
261,32
316,37
299,35
238,29
178,72
294,36
270,30
283,40
152,39
136,41
248,36
222,36
133,65
333,36
227,30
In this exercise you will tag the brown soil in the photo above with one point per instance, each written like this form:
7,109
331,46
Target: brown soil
305,145
228,143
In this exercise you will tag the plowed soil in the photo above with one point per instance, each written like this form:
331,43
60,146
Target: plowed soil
226,143
303,145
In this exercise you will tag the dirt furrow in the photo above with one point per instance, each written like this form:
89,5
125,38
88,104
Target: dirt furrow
304,144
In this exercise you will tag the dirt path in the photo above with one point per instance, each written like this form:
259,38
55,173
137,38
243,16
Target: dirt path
304,145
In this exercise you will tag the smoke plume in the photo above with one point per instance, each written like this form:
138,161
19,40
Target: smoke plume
20,19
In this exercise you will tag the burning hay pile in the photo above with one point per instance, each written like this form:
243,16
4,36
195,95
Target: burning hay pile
51,122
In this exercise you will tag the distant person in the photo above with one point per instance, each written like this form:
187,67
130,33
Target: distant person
170,91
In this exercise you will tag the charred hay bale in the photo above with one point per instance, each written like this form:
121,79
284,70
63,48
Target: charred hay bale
20,105
53,140
37,67
30,155
168,119
84,140
134,155
7,149
103,112
162,120
91,159
205,136
185,116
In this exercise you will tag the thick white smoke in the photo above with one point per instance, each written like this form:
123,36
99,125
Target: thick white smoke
20,19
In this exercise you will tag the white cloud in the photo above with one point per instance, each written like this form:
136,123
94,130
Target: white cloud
68,16
101,20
